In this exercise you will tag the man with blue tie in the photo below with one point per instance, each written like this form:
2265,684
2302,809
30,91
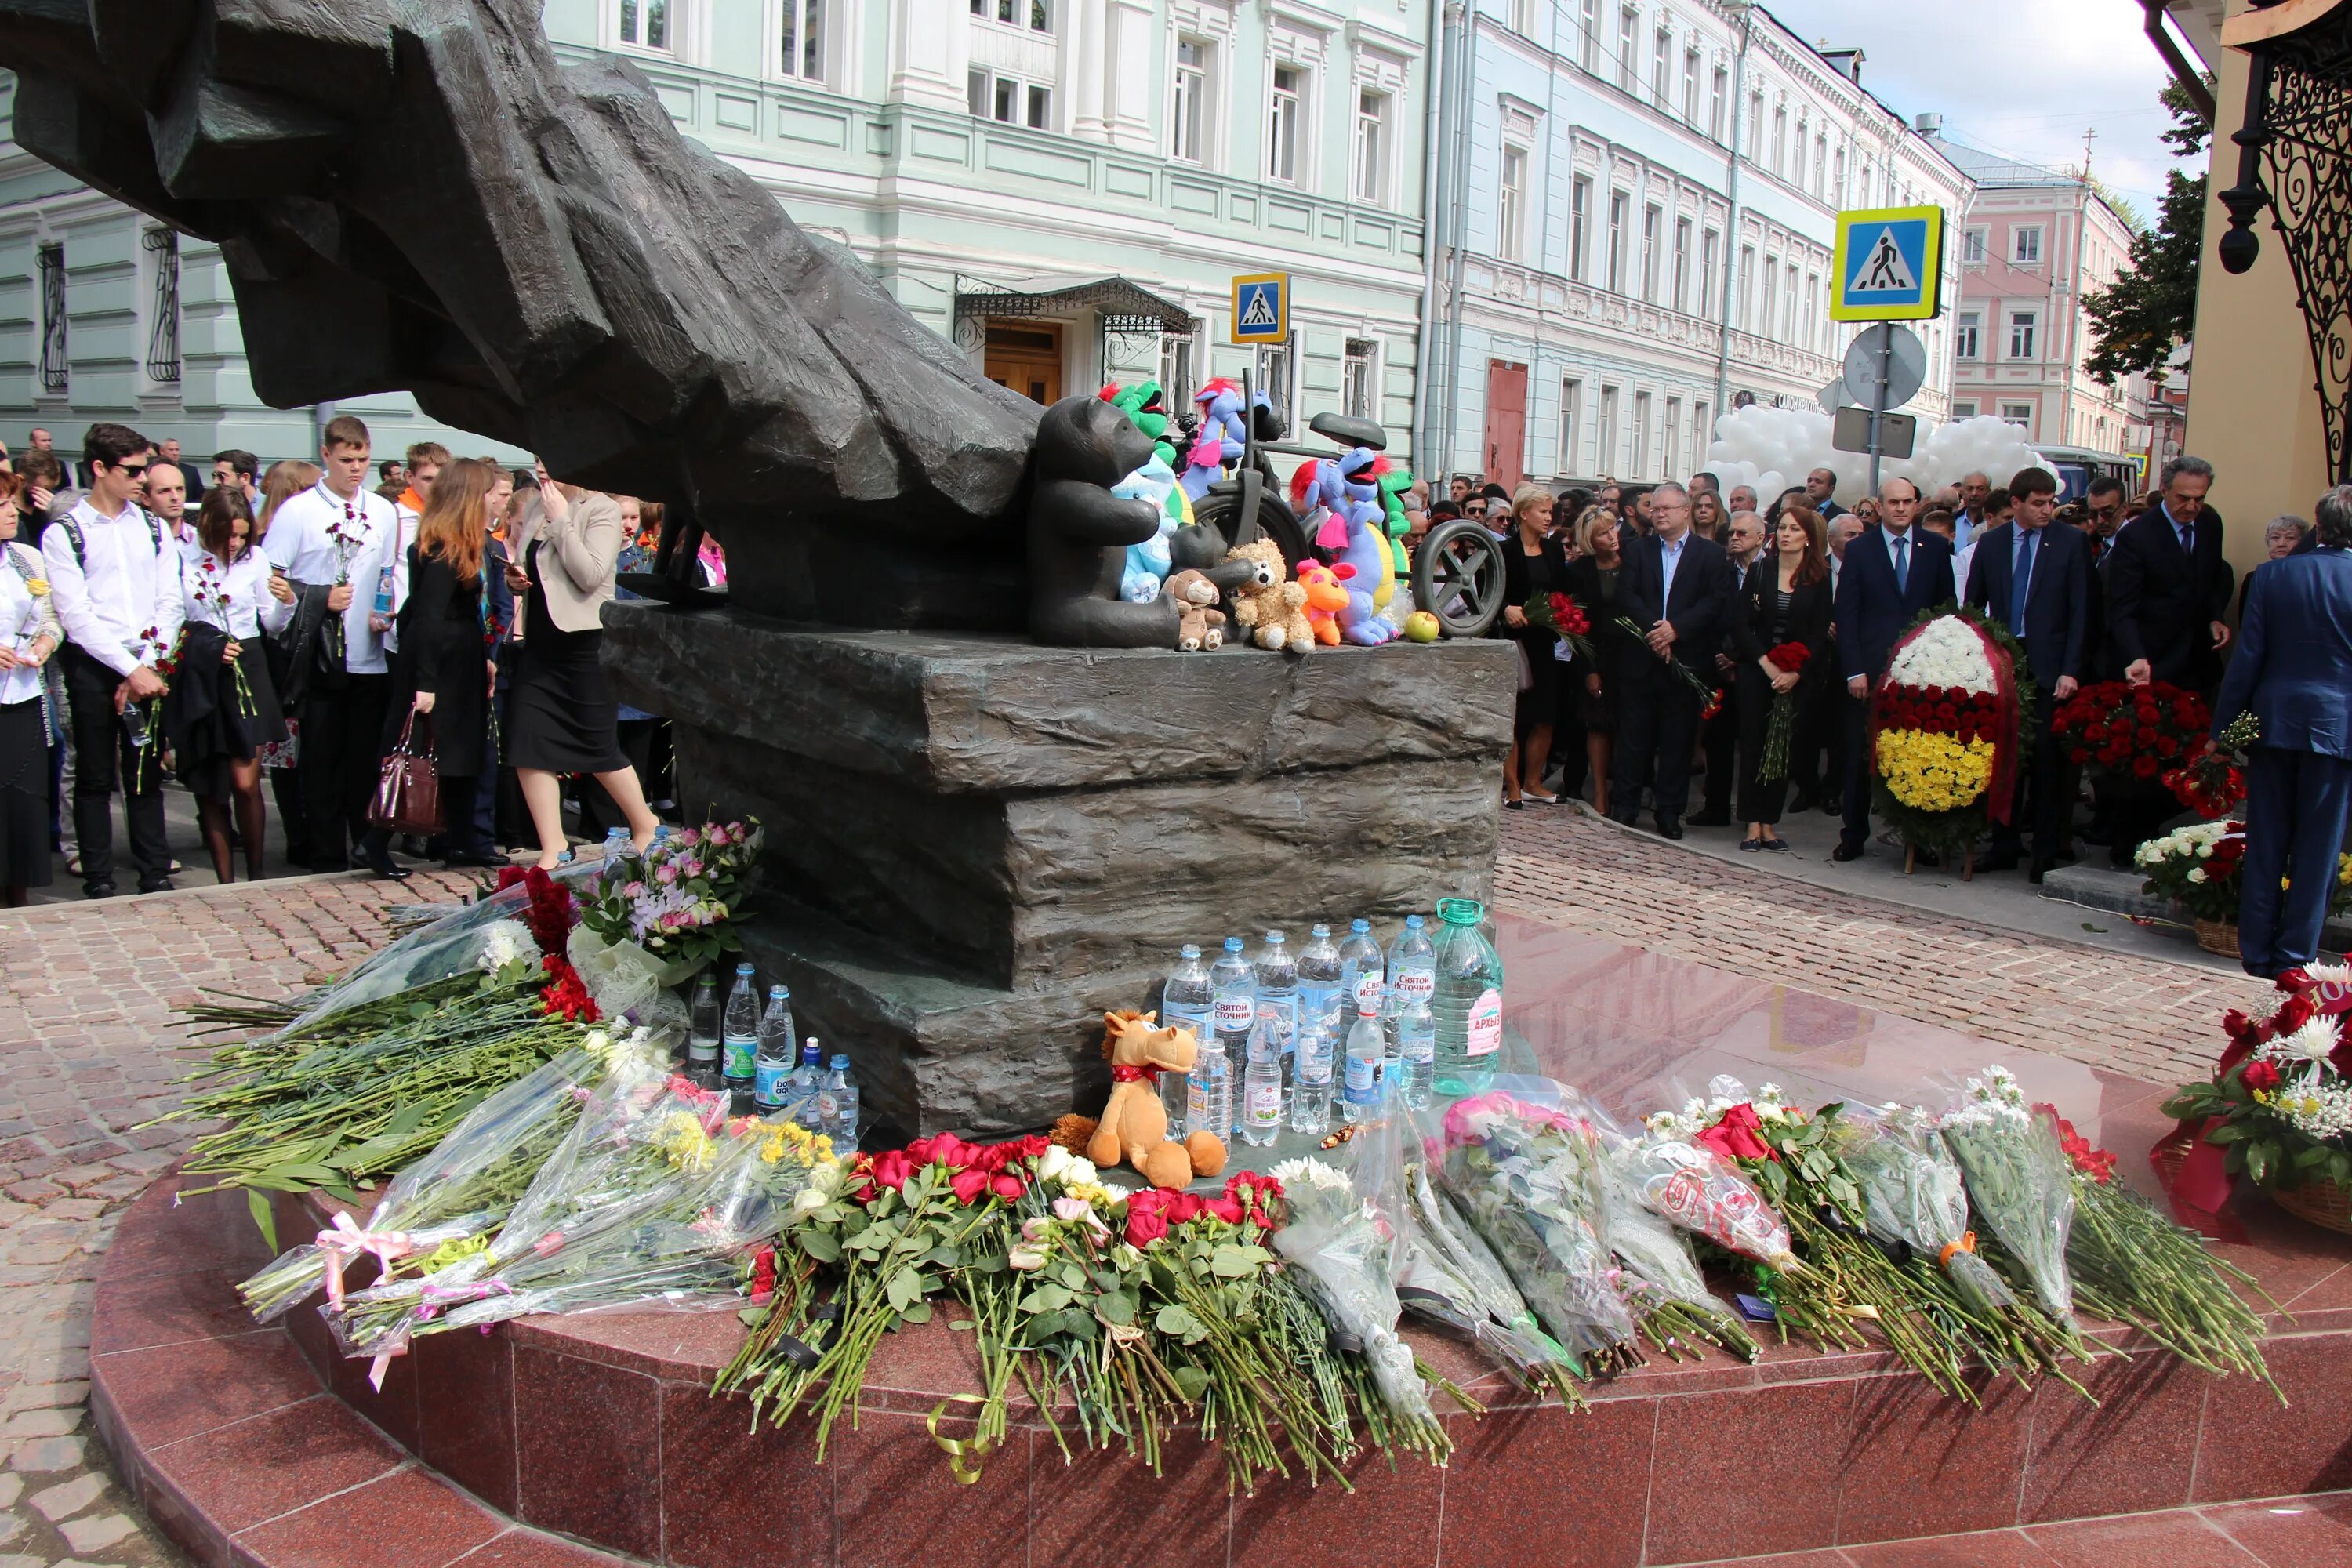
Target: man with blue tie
1677,588
2294,674
1891,572
2036,580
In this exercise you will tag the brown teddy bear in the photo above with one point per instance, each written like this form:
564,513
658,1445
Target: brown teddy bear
1202,624
1271,611
1133,1128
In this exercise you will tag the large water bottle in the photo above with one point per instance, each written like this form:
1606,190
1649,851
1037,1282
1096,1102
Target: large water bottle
740,1034
1262,1085
1187,1001
1318,985
1210,1105
807,1078
837,1107
1310,1092
1278,988
1362,964
702,1030
1413,971
1416,1067
1468,1000
1234,995
1367,1045
616,844
772,1079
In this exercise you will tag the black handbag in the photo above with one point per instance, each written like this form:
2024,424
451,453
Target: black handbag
407,788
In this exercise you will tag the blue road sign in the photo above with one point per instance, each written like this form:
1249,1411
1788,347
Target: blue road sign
1890,265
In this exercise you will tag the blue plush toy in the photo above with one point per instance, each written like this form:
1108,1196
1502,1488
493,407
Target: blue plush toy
1149,564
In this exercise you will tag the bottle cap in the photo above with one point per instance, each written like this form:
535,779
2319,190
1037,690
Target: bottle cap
1233,944
744,968
777,993
1360,924
1190,950
1413,922
1274,939
1319,931
1461,911
840,1063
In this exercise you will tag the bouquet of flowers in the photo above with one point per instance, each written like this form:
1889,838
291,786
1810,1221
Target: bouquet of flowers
1532,1180
1445,1272
1946,744
1563,617
1780,724
2020,1180
1698,685
1661,1279
2279,1106
2113,728
651,921
2213,781
2200,866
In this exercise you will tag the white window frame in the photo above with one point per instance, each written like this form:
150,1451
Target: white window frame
1967,335
1589,42
2025,321
2020,415
1972,247
1629,69
1179,362
1662,64
1571,421
1641,435
1690,85
1191,102
1579,227
984,88
1359,378
1964,408
1710,252
1511,203
1780,142
2023,238
1771,285
1621,214
628,25
1654,223
1605,456
1812,306
1682,265
1671,448
795,20
1523,18
1277,370
1700,434
1020,15
1369,176
1792,329
1747,290
1287,115
1718,102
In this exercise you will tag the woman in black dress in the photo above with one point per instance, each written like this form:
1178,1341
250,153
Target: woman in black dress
1533,564
1786,598
441,675
226,583
1595,581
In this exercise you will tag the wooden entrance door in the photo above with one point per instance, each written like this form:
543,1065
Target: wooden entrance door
1027,357
1507,423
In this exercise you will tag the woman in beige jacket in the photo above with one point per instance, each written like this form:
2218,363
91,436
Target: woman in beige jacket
561,714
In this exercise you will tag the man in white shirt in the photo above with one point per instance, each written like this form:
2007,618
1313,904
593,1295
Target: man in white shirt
114,573
339,535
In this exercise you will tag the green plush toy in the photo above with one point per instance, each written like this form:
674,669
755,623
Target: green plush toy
1144,403
1393,482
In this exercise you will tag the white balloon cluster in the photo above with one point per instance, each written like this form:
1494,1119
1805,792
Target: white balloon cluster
1772,449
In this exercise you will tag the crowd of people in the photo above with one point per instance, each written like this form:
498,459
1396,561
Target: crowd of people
1688,589
166,628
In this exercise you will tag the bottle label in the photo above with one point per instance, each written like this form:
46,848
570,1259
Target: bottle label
1416,985
769,1083
1263,1105
1368,991
1419,1046
702,1050
1363,1076
740,1049
1235,1013
827,1108
1196,1103
1484,1035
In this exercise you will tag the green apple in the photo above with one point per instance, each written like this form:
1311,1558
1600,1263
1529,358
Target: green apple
1422,627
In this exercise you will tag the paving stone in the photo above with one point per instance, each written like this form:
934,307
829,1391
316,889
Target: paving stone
42,1424
61,1502
96,1534
41,1456
11,1489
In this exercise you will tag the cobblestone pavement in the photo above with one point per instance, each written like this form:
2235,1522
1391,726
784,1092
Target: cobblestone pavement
89,1050
2146,1017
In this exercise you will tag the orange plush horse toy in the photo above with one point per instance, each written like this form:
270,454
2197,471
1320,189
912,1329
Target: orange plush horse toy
1133,1127
1326,595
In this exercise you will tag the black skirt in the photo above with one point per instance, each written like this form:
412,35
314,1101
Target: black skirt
23,795
561,714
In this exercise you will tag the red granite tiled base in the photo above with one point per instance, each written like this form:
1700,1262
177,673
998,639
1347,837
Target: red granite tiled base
257,1446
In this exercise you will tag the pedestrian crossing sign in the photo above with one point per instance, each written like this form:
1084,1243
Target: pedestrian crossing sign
1890,265
1262,307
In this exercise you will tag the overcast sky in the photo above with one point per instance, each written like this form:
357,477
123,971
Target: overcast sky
2021,77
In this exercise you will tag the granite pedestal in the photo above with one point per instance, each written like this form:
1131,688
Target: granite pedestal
977,846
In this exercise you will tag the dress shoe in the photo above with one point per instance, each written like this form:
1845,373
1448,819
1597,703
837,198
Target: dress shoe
1514,805
1711,819
1800,802
381,862
97,890
458,859
1998,860
1750,846
155,884
2037,870
1668,827
1832,806
1844,852
1778,845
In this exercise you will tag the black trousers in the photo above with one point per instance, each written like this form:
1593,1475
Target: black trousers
1719,738
342,747
1858,770
2039,799
1657,722
1761,799
102,759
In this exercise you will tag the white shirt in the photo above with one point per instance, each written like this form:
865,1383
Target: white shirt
408,518
20,623
302,543
251,609
130,586
1670,557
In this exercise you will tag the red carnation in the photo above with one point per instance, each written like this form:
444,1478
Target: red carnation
2144,767
1227,1209
764,1276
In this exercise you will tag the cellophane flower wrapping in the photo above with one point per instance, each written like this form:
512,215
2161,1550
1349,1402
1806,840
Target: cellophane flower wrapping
1532,1180
460,1191
1341,1248
2019,1179
1912,1192
1703,1193
677,899
1648,1244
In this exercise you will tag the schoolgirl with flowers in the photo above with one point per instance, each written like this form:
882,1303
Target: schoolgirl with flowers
226,583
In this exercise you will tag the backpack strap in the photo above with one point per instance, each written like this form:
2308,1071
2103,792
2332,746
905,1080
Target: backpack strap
73,537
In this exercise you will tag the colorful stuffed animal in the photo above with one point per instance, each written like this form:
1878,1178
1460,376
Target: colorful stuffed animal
1326,595
1219,440
1273,613
1144,403
1133,1127
1370,585
1393,482
1148,563
1201,627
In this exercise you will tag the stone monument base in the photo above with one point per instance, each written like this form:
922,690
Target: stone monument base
977,846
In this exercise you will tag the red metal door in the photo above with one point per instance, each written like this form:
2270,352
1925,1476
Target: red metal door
1507,423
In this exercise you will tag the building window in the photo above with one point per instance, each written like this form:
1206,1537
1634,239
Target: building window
1662,51
1812,305
1840,177
1771,283
1718,97
163,248
53,318
1972,247
1523,18
1579,225
1748,288
1278,369
1700,434
1820,164
1510,213
1605,456
644,23
1690,87
1780,143
1572,422
2021,324
1177,376
1681,263
1619,203
2020,415
1284,115
1038,16
992,95
1589,40
1792,329
1963,408
1708,297
1628,74
1965,335
1652,221
1189,113
1372,147
1359,370
1672,447
2026,246
800,44
1641,435
1755,128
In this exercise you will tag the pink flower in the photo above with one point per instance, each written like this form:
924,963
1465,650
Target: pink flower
687,838
634,891
666,875
693,868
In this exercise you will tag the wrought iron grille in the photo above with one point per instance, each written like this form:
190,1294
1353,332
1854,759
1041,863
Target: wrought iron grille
164,320
53,318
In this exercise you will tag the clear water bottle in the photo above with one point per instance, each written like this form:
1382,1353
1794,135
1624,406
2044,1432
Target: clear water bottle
1210,1108
1261,1115
807,1078
702,1030
837,1107
383,592
771,1081
1234,996
738,1037
1187,1001
1277,989
1367,1045
1469,999
1318,986
1310,1092
1416,1067
1362,965
1412,970
616,844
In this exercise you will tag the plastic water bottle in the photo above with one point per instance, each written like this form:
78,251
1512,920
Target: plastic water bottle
1367,1044
1412,970
616,844
1361,965
771,1081
1210,1108
1186,1001
1310,1090
1318,986
807,1078
740,1038
1234,995
702,1030
1277,989
1417,1054
1469,999
837,1107
384,590
1262,1085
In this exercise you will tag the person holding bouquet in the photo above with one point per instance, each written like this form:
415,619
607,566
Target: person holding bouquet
28,622
1596,580
1534,565
226,583
1679,594
1781,627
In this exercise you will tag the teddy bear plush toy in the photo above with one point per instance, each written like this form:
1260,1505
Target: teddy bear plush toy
1133,1128
1202,626
1271,611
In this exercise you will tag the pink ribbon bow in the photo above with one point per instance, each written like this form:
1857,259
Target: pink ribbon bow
347,1241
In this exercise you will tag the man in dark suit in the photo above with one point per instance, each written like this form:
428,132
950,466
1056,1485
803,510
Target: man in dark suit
2294,674
2169,586
1677,586
1891,573
2036,580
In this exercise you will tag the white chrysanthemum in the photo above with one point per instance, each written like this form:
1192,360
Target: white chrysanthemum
504,943
1994,1098
1947,652
2330,973
1314,1173
2312,1043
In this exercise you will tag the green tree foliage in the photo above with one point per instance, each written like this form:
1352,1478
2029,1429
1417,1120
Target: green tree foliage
2151,306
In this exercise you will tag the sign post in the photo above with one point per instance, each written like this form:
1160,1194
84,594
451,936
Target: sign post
1889,269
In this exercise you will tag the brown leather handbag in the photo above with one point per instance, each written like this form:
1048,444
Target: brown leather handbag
408,789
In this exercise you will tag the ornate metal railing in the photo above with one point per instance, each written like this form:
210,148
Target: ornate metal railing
163,319
53,318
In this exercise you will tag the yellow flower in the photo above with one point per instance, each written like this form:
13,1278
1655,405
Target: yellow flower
38,586
1934,773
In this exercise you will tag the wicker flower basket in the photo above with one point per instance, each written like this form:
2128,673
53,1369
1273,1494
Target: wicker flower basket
2218,936
2320,1201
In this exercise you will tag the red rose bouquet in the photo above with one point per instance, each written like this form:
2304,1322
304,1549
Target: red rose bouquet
1780,725
1564,618
2212,782
2117,729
